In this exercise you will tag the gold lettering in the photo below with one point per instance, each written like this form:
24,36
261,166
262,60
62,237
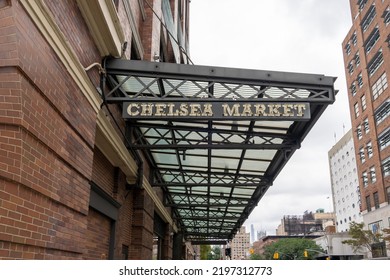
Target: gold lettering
160,109
195,110
274,110
287,110
227,111
183,110
207,110
260,110
247,110
171,107
301,109
147,109
133,112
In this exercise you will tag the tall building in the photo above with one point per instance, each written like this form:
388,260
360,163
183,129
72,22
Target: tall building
240,245
253,237
366,51
344,182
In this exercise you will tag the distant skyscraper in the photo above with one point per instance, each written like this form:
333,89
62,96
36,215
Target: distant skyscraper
240,245
345,182
253,237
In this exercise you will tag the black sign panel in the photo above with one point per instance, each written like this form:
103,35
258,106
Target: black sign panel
217,110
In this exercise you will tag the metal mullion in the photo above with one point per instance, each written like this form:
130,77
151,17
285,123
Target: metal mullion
220,146
180,166
232,175
233,219
222,131
209,153
203,196
222,157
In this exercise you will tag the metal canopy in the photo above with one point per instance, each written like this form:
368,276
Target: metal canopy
214,171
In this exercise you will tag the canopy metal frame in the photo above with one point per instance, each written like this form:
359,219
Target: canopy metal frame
213,172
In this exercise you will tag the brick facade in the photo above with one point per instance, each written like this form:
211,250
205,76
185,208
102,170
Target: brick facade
366,58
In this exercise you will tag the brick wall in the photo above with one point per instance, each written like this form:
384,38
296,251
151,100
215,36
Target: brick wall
47,153
47,134
104,177
368,81
142,227
97,236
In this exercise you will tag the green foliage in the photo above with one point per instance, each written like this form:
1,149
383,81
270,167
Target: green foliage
204,251
256,257
208,252
292,249
215,253
361,238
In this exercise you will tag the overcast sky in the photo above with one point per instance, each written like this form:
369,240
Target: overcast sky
283,35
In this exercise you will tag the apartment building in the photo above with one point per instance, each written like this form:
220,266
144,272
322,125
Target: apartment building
345,183
240,245
366,50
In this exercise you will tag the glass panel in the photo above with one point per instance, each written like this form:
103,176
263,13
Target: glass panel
182,88
136,85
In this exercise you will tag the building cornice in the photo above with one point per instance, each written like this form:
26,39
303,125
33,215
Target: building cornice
104,24
43,19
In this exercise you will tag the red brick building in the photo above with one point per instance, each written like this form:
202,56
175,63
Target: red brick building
66,177
366,51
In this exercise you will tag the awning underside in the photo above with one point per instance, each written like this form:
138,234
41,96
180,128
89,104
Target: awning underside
214,171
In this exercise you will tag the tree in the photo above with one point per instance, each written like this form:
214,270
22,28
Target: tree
204,251
361,238
215,253
292,249
255,256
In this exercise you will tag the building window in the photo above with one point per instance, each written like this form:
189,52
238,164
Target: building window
365,179
360,80
372,39
362,155
372,174
359,133
357,59
386,15
353,88
350,68
366,126
356,109
361,4
369,149
354,38
382,112
384,139
364,103
376,200
386,167
368,18
375,63
368,203
388,196
348,48
379,86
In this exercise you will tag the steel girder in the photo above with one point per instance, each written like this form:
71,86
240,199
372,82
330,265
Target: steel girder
214,171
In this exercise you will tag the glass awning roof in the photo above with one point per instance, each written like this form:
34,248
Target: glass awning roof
215,138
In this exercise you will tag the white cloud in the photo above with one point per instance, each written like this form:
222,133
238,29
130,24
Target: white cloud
283,35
